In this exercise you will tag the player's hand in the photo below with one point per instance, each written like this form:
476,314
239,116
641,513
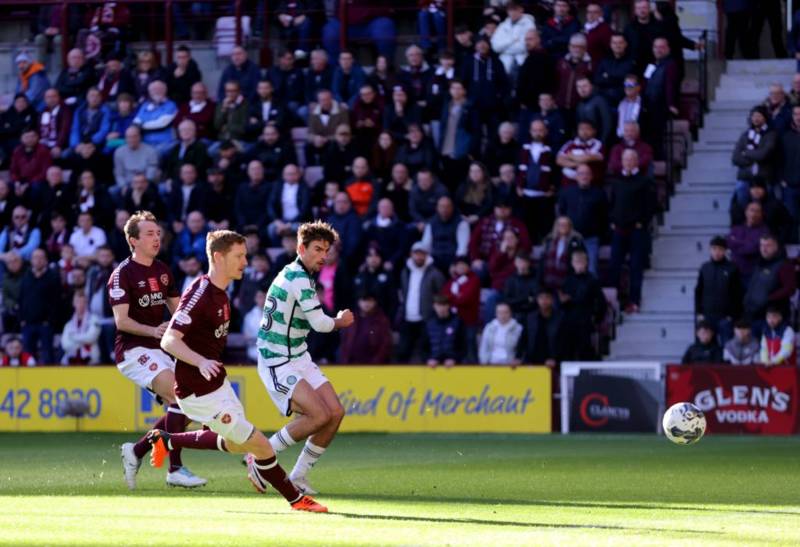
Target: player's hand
158,332
209,368
345,318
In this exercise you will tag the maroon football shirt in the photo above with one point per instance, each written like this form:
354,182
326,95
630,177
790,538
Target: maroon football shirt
203,316
145,289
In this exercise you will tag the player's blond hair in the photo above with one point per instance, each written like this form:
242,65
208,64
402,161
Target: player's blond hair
316,231
221,241
131,228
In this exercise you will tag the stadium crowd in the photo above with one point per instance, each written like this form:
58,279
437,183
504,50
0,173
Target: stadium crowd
472,189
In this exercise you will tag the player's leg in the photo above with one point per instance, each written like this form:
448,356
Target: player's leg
317,443
311,415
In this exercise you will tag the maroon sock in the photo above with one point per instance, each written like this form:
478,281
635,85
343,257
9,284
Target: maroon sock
197,440
176,423
271,472
142,447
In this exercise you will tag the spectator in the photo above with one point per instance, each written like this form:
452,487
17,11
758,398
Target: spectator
503,148
423,198
776,217
54,124
370,341
501,265
612,70
11,287
398,191
339,155
640,33
569,69
251,202
243,71
273,152
91,124
559,29
189,150
631,140
439,84
705,349
520,290
200,109
388,234
181,75
13,121
446,234
583,149
536,75
20,237
155,116
598,33
778,109
670,28
550,114
121,119
265,110
417,152
92,199
489,230
75,79
753,152
325,119
8,200
400,113
134,157
361,188
376,280
769,11
743,241
367,117
40,289
335,281
257,278
80,334
584,306
54,197
87,238
632,209
230,162
557,254
593,108
15,356
474,197
777,342
116,237
464,291
487,85
349,226
419,282
789,170
31,79
288,82
230,117
113,80
458,127
661,93
190,241
508,41
543,339
251,324
632,108
146,71
144,196
383,156
97,277
432,24
289,202
586,206
348,77
445,334
365,21
29,162
187,194
772,283
718,293
318,77
190,269
738,15
742,349
500,338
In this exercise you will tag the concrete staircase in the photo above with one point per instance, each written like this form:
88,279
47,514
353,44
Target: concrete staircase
698,211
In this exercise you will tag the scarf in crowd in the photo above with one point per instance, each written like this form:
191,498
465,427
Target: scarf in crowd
25,77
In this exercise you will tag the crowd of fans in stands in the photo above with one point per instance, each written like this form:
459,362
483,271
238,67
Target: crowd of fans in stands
441,177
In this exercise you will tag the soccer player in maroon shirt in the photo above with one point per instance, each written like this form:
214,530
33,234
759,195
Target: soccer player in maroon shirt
141,290
196,336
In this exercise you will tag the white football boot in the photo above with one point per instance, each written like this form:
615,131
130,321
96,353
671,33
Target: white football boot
185,479
130,464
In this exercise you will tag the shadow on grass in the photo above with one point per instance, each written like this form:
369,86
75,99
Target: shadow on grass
487,522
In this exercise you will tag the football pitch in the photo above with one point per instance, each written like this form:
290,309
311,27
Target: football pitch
67,489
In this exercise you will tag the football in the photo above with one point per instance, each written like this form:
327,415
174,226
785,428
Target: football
684,423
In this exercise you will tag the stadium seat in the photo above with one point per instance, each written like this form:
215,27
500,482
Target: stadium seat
225,34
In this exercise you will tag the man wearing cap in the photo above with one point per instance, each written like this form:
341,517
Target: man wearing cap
419,282
718,293
31,79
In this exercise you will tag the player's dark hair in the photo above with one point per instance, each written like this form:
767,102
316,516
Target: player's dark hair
317,231
131,228
221,241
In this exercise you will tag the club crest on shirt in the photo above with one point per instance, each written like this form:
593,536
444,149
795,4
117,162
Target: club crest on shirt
291,380
164,279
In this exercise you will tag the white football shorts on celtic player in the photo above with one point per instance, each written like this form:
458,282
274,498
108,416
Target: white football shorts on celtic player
280,381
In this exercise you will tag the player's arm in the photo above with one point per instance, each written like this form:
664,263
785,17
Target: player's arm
124,323
172,303
172,342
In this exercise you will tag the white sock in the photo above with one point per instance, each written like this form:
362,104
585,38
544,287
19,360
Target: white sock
308,457
281,440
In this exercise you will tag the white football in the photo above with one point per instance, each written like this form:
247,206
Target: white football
684,423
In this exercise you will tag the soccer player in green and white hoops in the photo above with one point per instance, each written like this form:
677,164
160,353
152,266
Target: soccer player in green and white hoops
294,382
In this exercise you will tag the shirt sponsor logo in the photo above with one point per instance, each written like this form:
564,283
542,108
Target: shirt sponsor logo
153,282
141,284
222,330
144,301
116,293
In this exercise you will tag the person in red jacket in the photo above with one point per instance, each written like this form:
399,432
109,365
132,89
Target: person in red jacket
15,356
598,33
464,292
486,234
54,123
370,339
30,159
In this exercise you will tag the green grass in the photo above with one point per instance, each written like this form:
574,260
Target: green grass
67,489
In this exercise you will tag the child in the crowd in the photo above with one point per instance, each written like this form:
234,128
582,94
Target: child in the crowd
742,349
777,341
15,356
705,349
